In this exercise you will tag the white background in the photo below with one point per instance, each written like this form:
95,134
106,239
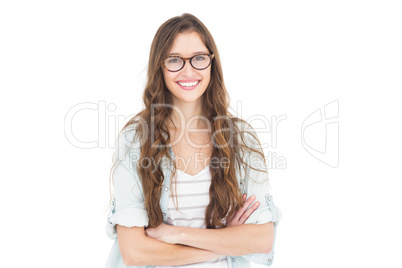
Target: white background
279,58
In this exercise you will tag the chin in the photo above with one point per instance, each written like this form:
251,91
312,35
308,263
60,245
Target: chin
189,100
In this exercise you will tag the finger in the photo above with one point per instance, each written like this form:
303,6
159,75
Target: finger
242,209
230,218
248,202
236,214
244,199
249,211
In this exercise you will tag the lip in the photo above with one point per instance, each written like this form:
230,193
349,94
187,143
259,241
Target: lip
188,81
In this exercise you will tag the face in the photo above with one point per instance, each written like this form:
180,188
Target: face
188,84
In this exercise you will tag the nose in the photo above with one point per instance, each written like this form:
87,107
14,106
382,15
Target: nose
187,69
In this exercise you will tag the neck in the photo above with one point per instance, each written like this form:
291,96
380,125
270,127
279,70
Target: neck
187,115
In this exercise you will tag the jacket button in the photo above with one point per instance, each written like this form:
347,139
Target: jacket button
269,260
233,259
166,189
269,198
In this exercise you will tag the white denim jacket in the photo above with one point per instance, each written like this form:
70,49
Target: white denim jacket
128,208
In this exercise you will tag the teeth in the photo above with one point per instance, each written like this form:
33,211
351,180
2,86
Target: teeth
190,84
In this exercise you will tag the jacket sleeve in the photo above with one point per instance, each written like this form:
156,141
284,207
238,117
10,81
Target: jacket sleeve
128,207
256,182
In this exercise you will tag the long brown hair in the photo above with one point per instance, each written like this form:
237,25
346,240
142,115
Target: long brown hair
224,192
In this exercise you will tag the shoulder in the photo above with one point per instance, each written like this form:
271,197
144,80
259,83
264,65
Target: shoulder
240,126
251,151
246,133
127,142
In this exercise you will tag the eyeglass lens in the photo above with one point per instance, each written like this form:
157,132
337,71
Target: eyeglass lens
198,62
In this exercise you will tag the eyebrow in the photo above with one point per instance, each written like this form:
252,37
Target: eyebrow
198,52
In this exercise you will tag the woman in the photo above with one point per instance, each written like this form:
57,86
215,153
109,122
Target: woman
202,219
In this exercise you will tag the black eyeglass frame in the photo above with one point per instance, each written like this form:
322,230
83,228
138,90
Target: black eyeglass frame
211,57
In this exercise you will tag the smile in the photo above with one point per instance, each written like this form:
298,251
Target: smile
188,84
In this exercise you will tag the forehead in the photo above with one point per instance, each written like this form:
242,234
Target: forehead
186,44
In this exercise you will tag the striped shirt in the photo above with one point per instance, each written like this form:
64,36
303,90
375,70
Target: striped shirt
192,200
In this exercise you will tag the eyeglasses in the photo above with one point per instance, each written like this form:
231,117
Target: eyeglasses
198,62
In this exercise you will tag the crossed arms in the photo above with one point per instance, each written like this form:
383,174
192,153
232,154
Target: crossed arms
178,245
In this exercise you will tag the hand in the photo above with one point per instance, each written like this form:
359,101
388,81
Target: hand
165,233
242,215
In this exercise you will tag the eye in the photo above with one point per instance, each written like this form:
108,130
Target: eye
200,57
173,60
